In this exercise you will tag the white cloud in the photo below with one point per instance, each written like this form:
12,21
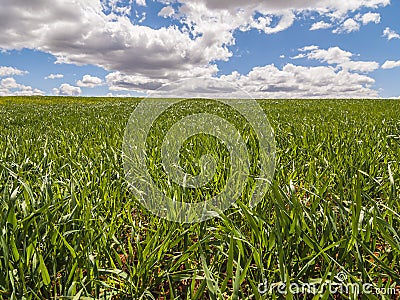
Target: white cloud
338,79
118,81
339,57
286,21
309,48
10,71
143,18
261,82
360,66
370,18
117,7
118,95
271,82
390,34
348,26
390,64
54,76
89,81
166,12
298,56
138,83
67,90
141,2
304,82
320,25
9,83
333,55
27,91
10,87
131,49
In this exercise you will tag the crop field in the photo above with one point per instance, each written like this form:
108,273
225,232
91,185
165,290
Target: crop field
71,227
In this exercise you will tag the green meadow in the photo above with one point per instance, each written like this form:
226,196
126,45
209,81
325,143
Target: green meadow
72,229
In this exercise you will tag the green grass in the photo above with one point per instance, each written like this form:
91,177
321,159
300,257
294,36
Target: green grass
70,227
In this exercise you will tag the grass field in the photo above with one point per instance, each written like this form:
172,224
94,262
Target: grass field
70,227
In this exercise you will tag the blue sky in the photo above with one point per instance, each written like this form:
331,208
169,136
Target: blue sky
271,49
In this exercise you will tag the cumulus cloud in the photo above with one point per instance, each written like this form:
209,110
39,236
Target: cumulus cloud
130,48
67,90
370,18
348,26
138,83
118,95
286,20
390,64
261,82
333,55
390,34
10,87
54,76
360,66
166,12
10,71
309,48
337,56
271,82
89,81
118,81
9,83
303,82
340,78
118,7
141,2
320,25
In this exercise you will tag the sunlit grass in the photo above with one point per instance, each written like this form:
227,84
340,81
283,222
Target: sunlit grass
70,226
